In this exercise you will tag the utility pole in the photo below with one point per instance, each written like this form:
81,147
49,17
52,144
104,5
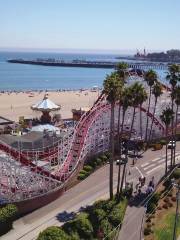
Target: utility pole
177,210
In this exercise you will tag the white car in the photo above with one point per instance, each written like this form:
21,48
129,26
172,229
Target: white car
171,144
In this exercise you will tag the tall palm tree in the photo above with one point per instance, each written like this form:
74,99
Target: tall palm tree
126,102
150,77
142,98
137,94
122,71
166,118
173,77
157,92
112,85
177,101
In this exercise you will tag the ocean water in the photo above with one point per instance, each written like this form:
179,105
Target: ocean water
29,77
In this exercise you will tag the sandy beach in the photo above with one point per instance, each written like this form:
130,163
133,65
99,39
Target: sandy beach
13,105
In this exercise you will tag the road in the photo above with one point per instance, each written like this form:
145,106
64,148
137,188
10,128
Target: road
93,188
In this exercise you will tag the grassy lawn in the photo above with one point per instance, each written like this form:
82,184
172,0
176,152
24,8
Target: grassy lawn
163,229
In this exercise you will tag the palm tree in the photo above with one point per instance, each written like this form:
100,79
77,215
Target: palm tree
173,77
111,89
177,101
137,94
125,101
122,71
150,77
157,92
166,118
142,98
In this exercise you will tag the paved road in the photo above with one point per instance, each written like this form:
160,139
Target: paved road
133,220
93,188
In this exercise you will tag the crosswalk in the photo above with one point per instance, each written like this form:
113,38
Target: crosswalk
157,163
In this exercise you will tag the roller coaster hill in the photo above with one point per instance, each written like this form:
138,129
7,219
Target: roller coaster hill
32,177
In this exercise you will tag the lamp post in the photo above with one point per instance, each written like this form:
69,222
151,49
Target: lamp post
177,209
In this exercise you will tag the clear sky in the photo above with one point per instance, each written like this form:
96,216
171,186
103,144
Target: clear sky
90,24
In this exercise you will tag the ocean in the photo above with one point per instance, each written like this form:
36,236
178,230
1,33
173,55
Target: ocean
19,77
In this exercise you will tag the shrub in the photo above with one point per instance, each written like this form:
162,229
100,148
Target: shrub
8,213
176,173
53,233
98,161
165,206
166,200
173,199
147,231
84,226
170,204
83,172
115,217
98,215
104,158
87,168
155,198
82,176
105,227
151,207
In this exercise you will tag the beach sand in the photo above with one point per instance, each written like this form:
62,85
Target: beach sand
13,105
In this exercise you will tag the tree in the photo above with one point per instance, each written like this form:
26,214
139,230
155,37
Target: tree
150,77
173,77
122,70
142,98
112,86
53,233
157,92
166,118
177,101
126,102
137,94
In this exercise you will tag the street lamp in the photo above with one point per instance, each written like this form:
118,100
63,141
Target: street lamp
177,207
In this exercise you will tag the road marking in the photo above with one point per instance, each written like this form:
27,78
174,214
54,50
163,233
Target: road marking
145,164
139,171
152,170
152,165
161,161
156,159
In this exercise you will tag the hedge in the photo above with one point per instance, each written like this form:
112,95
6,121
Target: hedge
7,215
94,222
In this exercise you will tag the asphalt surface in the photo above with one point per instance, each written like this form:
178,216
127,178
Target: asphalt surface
95,187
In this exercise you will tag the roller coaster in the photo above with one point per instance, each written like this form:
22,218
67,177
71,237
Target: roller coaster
22,177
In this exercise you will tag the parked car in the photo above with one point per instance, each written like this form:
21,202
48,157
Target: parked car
171,144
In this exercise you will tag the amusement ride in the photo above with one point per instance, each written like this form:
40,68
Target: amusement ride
23,178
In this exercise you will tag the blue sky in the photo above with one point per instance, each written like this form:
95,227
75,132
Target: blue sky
90,24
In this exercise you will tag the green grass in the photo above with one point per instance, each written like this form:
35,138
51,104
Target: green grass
164,230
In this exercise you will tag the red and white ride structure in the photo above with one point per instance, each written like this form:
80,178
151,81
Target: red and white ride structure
22,177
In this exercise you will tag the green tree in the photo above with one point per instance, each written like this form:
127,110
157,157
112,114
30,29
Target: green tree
173,77
150,78
142,98
112,87
126,102
157,92
177,101
166,118
53,233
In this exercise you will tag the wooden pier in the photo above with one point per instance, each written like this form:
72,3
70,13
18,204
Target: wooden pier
90,64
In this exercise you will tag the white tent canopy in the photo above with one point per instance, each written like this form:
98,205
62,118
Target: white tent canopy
45,105
45,127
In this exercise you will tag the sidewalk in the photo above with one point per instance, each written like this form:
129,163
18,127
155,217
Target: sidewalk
133,221
133,224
